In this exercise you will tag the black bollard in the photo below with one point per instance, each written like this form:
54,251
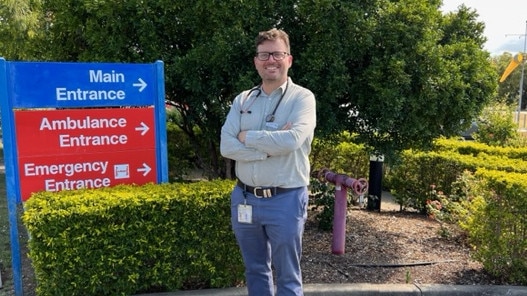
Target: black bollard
375,183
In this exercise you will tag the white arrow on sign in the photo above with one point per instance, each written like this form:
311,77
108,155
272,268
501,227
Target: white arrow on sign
141,84
143,128
145,169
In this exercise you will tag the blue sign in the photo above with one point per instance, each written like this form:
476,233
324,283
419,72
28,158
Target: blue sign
56,85
69,85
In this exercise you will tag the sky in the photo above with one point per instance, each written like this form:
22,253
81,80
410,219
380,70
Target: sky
505,22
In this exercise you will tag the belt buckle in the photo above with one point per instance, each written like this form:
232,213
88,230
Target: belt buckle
254,191
266,192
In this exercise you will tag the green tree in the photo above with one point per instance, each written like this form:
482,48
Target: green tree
405,71
397,74
18,28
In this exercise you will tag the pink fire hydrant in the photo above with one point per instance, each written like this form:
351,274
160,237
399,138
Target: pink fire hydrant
342,183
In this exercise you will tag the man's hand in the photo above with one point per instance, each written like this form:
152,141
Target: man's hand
241,136
287,126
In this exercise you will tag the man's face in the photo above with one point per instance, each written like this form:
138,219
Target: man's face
273,70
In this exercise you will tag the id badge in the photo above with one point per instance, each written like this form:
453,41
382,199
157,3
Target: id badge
245,213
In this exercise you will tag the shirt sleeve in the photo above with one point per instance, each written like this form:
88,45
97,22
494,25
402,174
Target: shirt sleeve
280,142
230,146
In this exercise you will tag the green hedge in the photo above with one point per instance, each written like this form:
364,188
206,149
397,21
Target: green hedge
411,179
475,149
497,225
483,188
131,239
340,155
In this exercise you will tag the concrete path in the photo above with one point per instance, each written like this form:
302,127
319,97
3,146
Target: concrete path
388,203
371,289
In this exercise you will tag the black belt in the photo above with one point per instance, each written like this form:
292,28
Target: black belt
264,192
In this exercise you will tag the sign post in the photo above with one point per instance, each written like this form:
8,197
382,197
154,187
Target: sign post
69,126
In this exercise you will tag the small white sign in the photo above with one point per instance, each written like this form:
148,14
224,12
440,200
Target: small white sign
121,171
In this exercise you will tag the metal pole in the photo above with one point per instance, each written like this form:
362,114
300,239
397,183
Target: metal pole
13,199
15,246
524,57
342,183
339,219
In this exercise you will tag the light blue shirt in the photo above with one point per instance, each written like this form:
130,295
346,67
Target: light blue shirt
271,156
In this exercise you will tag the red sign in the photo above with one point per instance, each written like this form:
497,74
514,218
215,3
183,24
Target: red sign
44,132
71,172
89,148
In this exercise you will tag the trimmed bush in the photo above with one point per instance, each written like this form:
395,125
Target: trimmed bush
130,239
497,225
482,188
411,179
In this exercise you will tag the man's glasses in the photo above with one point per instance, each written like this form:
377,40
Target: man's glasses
277,55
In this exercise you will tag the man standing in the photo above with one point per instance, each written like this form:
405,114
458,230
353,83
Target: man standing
268,132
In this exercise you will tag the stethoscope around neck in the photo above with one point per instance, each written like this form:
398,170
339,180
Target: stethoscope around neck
258,89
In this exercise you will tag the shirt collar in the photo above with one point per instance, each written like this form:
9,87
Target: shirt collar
284,86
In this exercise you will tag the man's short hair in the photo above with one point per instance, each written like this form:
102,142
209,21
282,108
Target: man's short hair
273,34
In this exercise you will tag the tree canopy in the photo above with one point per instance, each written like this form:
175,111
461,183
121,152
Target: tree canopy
396,73
18,27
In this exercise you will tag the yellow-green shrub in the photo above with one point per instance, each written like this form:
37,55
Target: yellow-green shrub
411,179
475,148
130,239
496,223
483,188
340,155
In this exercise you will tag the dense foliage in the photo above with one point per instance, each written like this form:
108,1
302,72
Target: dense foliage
129,239
385,70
